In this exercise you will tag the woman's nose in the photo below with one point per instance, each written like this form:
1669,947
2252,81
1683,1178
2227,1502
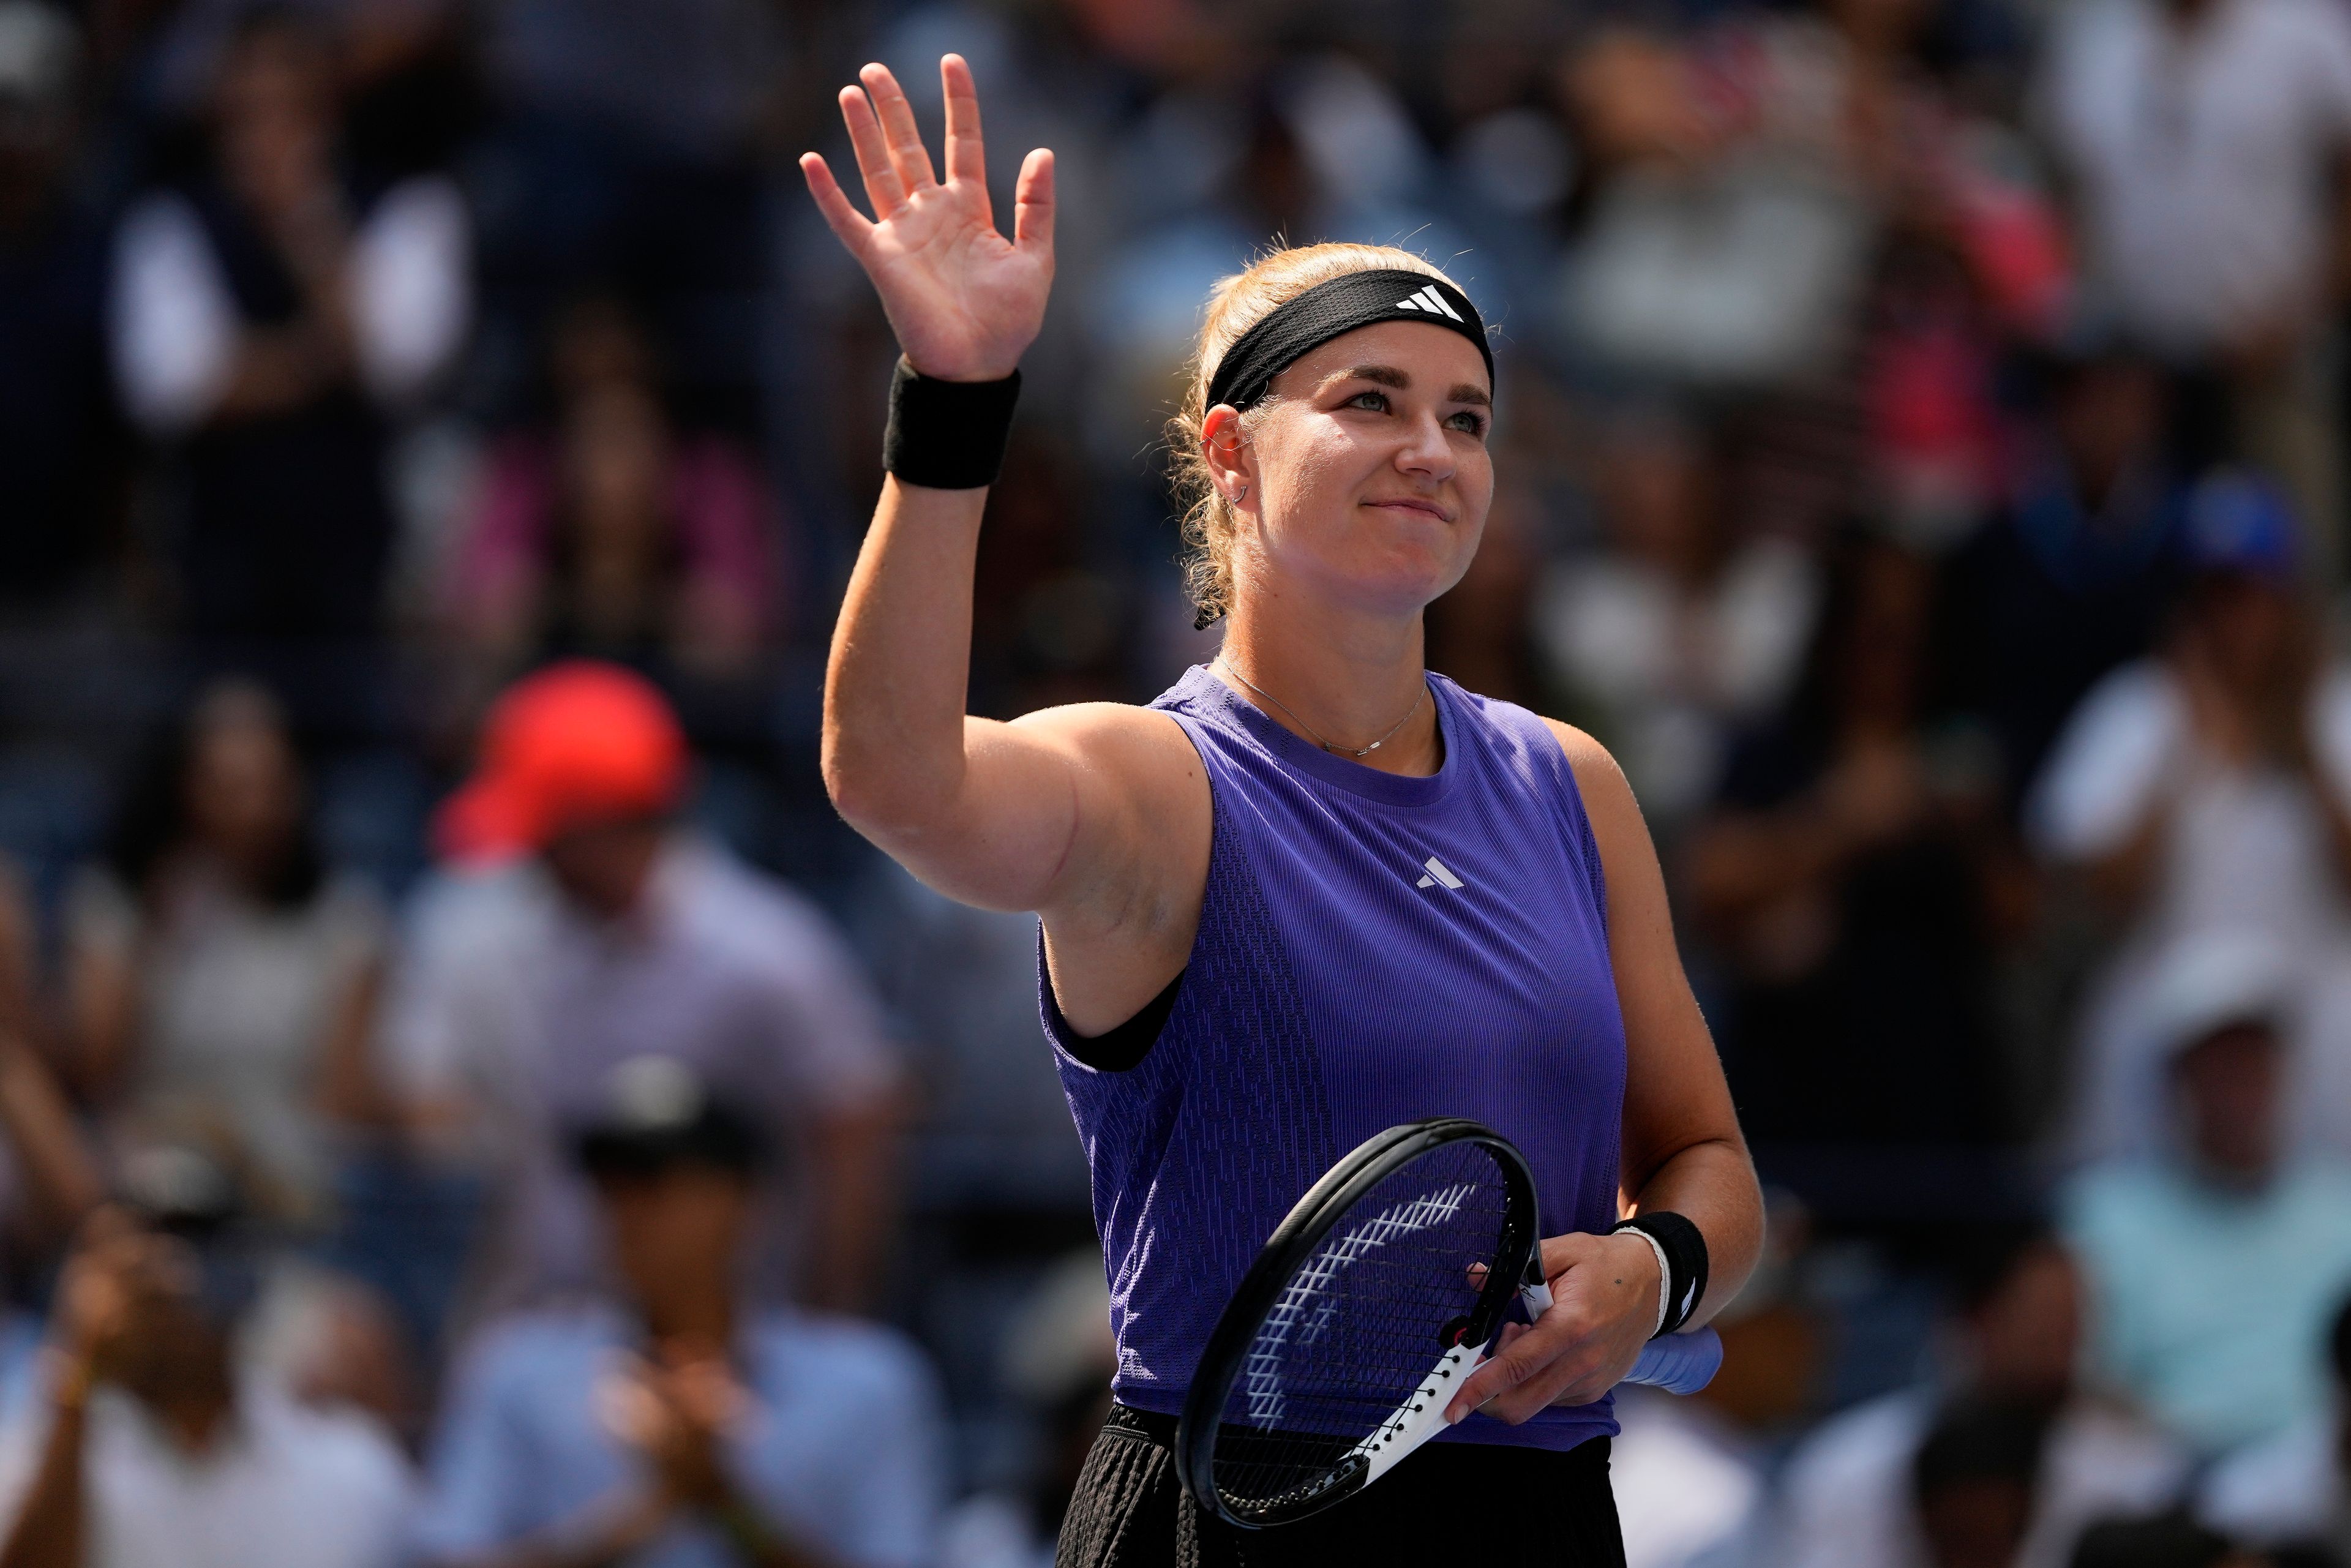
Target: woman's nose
1425,451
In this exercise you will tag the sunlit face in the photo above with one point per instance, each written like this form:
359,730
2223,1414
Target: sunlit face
1367,472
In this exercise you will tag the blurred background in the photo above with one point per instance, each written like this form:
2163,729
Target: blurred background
432,437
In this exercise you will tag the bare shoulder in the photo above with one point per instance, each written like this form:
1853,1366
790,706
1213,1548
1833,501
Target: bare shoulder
1141,819
1122,908
1137,752
1607,795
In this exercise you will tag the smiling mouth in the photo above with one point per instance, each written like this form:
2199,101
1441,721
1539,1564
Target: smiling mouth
1425,508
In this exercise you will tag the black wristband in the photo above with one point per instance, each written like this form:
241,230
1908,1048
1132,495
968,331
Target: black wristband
1685,1248
947,435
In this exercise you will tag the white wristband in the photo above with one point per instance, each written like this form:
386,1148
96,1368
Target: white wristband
1665,1278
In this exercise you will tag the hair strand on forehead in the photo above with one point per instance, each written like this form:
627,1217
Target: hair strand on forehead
1236,304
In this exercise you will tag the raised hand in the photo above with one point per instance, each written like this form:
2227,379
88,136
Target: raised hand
964,301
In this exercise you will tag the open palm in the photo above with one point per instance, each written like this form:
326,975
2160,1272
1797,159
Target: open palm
964,300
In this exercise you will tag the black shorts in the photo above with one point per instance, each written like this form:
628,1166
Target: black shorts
1522,1505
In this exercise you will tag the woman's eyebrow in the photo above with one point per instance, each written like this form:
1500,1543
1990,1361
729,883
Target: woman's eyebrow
1389,376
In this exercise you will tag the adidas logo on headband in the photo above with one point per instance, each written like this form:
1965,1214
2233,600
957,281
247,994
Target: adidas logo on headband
1428,300
1309,320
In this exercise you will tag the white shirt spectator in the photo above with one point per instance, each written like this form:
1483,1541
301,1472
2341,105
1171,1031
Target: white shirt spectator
285,1485
237,999
1846,1497
2245,855
1675,671
2288,1489
515,1007
2203,154
1688,1494
174,323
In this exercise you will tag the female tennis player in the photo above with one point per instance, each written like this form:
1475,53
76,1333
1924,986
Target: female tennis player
1314,890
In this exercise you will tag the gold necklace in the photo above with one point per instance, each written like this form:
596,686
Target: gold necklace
1315,734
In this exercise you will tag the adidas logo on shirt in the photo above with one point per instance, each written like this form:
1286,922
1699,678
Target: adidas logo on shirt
1437,873
1430,301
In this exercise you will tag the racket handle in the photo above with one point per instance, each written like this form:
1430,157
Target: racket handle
1680,1363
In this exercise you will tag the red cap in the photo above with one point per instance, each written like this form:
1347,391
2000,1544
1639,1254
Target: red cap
576,744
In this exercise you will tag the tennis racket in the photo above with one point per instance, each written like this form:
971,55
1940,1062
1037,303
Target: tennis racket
1372,1302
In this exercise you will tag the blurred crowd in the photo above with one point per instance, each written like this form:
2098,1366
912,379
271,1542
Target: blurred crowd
464,1099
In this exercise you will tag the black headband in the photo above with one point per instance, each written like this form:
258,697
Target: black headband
1298,327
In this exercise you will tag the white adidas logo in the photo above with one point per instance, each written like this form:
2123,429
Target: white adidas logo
1437,873
1430,301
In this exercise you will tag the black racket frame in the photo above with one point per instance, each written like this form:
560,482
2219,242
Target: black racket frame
1312,1217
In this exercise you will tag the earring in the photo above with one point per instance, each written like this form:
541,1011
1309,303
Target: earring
1240,495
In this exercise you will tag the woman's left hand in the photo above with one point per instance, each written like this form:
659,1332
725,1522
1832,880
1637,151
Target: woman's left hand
1604,1293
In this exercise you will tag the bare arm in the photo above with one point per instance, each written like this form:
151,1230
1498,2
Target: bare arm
60,1174
101,1016
1064,812
48,1531
351,1089
1682,1150
96,1315
1682,1147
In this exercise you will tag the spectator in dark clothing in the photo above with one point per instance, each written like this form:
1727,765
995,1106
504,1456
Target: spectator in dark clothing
1856,873
2073,576
2166,1540
1974,1480
610,532
57,428
268,320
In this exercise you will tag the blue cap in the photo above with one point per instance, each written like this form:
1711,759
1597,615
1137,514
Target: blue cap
2241,521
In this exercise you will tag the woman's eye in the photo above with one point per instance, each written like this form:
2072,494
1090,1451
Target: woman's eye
1468,422
1377,401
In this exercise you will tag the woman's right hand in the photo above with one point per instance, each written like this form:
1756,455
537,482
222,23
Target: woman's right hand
964,301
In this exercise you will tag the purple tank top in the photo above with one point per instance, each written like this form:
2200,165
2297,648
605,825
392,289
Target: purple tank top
1373,949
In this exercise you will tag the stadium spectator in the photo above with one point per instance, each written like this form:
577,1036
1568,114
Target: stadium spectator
49,1180
1689,1485
2075,571
1056,1359
266,321
583,927
150,1442
221,978
625,150
2206,791
676,1425
1855,879
2161,1541
1975,1484
2015,1337
2216,1263
2294,1488
1679,634
960,985
57,431
2202,138
614,534
1699,149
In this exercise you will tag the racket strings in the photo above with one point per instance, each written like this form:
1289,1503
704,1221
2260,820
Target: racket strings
1358,1326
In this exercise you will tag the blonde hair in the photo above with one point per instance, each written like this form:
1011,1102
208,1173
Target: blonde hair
1236,304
